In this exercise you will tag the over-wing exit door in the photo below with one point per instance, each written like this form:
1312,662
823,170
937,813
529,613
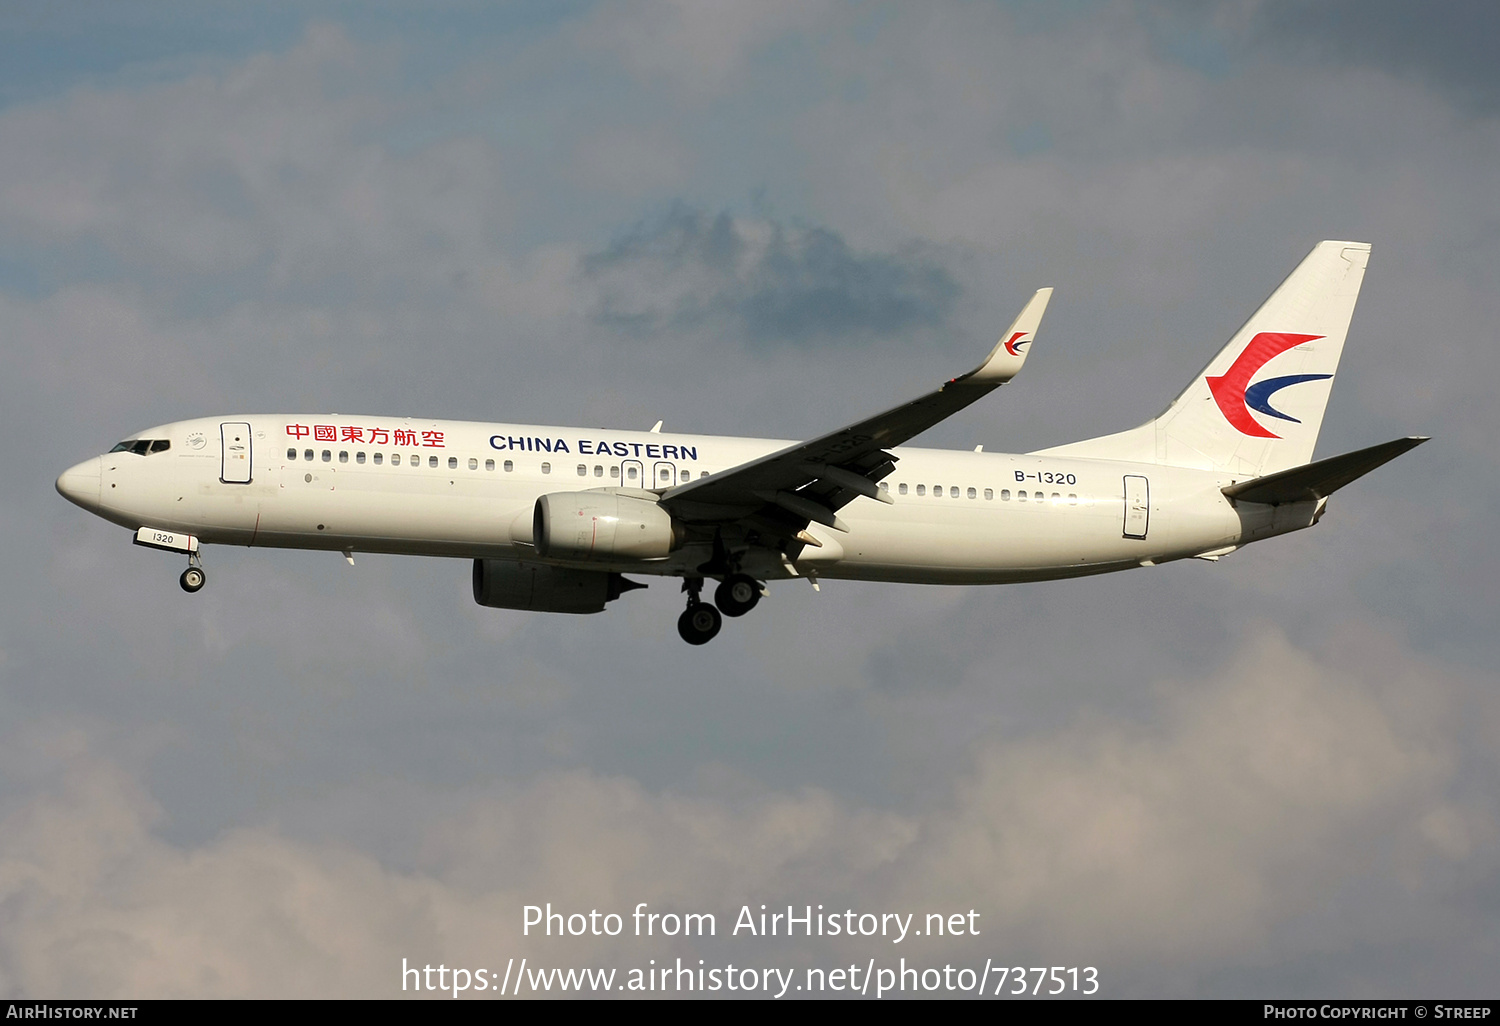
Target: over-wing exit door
235,439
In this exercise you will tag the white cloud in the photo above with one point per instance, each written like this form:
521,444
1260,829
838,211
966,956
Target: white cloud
700,46
1193,842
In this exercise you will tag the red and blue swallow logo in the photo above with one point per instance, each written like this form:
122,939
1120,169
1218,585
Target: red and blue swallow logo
1237,397
1014,344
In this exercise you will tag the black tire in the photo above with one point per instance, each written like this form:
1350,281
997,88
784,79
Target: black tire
699,623
193,579
737,595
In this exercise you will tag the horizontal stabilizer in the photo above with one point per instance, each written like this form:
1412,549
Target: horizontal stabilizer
1321,479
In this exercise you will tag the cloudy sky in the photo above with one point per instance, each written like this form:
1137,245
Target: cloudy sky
1276,775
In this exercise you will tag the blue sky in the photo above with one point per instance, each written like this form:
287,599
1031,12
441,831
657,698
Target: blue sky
1273,775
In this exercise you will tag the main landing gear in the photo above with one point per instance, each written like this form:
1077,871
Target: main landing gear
700,622
193,578
737,595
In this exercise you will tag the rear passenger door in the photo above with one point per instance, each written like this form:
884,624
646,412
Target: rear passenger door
1137,506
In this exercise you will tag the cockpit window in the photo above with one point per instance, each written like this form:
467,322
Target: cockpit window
143,446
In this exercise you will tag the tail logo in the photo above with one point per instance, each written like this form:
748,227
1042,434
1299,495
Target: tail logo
1014,344
1237,397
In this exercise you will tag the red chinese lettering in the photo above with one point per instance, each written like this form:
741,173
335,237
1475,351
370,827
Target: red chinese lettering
432,439
297,430
325,433
352,434
405,437
380,436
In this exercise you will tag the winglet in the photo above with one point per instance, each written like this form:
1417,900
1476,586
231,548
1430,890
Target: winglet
1010,352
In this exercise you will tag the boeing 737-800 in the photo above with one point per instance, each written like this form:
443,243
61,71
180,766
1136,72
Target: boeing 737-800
553,518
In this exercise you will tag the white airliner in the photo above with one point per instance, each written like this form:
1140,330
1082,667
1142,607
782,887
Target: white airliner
554,517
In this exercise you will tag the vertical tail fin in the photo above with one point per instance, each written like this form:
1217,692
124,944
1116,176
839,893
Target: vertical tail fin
1257,407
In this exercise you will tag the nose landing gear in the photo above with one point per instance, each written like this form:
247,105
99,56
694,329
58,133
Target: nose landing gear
193,578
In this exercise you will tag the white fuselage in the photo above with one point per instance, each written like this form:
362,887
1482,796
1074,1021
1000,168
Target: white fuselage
465,489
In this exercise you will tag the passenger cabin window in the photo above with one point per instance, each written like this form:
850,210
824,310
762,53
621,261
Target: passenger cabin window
509,466
598,470
901,488
378,457
473,463
614,471
359,457
1005,495
583,470
546,468
452,462
973,494
343,455
687,475
431,461
327,456
291,454
989,493
489,464
630,474
953,492
921,489
395,459
1021,496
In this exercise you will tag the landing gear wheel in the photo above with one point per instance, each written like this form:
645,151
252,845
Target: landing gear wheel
737,595
192,579
699,623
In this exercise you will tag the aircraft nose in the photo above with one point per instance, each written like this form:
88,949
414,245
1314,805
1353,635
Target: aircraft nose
80,484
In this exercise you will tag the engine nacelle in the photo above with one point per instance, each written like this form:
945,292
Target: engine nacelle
507,584
603,526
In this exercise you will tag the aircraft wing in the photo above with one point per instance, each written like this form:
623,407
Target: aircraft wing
810,481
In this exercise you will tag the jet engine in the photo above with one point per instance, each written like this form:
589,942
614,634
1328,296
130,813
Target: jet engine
602,526
507,584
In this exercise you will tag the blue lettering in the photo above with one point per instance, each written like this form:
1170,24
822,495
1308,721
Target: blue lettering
560,446
495,441
637,447
602,448
542,445
516,443
689,452
621,449
669,452
585,447
653,451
